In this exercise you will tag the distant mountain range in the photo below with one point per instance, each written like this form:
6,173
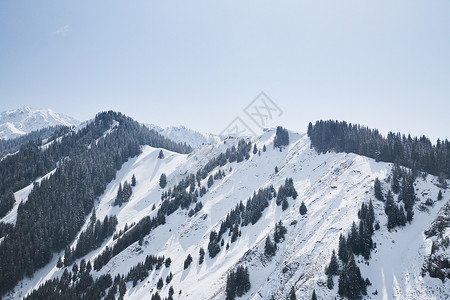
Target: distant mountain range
18,122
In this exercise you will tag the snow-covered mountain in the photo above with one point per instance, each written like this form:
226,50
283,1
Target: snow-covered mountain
181,134
14,123
333,186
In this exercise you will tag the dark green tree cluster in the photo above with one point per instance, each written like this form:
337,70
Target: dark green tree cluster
351,284
358,241
377,189
94,235
405,189
395,213
141,271
238,283
241,215
281,138
48,133
285,191
77,284
270,247
7,201
5,228
123,193
56,208
414,153
332,269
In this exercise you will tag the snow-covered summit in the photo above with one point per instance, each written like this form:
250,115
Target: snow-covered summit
14,123
181,134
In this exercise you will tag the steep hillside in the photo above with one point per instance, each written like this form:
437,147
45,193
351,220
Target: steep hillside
332,185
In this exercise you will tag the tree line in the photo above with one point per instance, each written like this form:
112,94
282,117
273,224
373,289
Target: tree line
414,153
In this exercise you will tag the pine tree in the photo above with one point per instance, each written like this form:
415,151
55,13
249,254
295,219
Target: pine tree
355,282
255,149
333,267
330,282
264,148
210,181
395,179
59,264
377,188
439,195
276,169
133,180
161,154
343,250
284,204
160,284
202,256
303,210
163,180
389,205
292,294
269,247
187,261
314,297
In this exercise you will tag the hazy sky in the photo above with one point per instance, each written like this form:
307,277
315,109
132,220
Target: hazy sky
384,64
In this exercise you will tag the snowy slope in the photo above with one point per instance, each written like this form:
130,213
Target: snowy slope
181,134
14,123
332,185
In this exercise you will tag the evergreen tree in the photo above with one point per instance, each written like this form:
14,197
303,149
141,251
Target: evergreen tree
269,247
6,203
160,284
187,261
330,282
378,192
133,180
264,148
284,204
439,195
333,267
303,210
59,264
396,173
276,169
255,149
163,180
281,138
68,257
292,294
314,297
202,256
161,154
389,205
343,250
210,181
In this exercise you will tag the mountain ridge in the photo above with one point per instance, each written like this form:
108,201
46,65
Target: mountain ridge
18,122
332,185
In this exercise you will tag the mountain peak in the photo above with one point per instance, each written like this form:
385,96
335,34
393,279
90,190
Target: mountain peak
21,121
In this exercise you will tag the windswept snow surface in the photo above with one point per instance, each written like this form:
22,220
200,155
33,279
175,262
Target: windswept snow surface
333,187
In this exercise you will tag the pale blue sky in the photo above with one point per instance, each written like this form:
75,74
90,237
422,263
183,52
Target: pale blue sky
385,64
